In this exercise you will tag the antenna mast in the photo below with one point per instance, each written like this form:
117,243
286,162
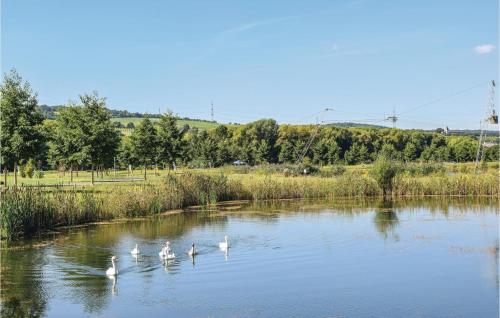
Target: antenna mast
212,111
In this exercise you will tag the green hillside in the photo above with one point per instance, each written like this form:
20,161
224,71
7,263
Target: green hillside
201,124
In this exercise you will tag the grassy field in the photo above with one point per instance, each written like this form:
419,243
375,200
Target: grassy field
180,122
123,177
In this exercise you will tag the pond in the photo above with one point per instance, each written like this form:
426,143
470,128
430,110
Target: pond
410,258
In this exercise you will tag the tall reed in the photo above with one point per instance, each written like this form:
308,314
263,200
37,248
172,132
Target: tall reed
25,211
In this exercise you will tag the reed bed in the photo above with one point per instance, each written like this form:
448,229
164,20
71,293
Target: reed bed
456,185
25,211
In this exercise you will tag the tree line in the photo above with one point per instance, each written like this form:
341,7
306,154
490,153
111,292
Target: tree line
82,136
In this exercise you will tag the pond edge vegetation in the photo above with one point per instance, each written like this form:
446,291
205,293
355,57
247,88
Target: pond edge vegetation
29,210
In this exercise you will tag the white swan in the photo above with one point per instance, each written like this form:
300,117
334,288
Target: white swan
169,256
224,245
192,251
135,251
166,252
112,271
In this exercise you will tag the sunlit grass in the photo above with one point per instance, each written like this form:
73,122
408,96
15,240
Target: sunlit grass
26,210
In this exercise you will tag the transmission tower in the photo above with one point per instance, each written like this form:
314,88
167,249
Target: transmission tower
490,118
212,111
393,119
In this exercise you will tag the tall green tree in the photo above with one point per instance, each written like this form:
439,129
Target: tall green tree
102,137
144,141
462,149
69,146
169,139
126,156
21,135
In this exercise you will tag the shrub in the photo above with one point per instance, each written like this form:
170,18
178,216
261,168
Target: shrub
30,168
424,168
39,174
22,171
383,171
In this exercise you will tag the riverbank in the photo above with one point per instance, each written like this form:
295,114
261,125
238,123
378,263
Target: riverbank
26,211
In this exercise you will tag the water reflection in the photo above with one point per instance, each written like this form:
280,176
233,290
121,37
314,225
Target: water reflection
76,260
386,220
23,293
114,289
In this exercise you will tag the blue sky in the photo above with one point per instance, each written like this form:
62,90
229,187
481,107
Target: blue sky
263,58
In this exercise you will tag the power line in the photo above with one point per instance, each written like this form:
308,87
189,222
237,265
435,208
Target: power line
443,98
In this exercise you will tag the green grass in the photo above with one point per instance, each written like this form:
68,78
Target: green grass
180,122
27,210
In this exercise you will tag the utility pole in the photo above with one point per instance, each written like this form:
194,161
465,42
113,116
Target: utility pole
212,110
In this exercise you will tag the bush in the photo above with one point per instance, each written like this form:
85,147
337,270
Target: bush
424,168
22,171
39,174
30,168
383,171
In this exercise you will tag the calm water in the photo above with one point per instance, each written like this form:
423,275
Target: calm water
287,259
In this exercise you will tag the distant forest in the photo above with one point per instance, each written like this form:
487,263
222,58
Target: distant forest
50,112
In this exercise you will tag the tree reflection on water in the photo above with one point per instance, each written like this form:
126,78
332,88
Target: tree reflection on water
386,220
79,257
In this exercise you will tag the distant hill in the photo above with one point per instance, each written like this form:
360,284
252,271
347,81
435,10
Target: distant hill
354,125
124,117
198,123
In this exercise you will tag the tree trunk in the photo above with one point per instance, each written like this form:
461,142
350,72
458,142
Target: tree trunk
77,168
71,174
5,174
144,172
92,174
15,174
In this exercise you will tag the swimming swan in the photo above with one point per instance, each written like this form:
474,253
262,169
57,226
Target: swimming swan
165,249
192,251
135,251
224,245
112,271
166,252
